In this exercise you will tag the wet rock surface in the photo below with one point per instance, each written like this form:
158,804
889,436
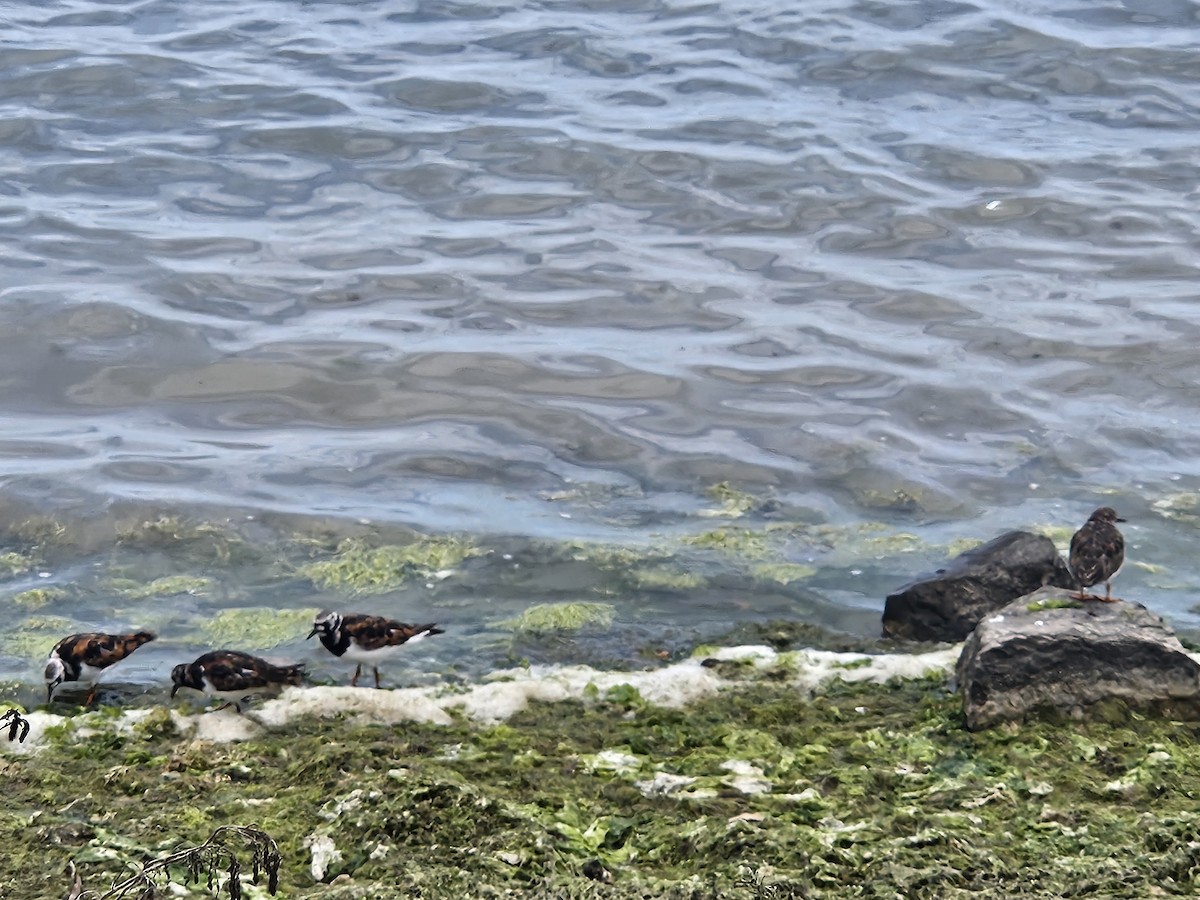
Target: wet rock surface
947,604
1049,652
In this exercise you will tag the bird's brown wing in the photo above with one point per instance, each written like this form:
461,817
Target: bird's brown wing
375,632
1112,547
236,672
1096,554
101,650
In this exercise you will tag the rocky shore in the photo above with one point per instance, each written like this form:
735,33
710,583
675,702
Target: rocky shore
736,773
1052,753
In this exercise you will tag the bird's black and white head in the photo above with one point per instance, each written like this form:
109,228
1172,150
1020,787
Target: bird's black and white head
1105,514
326,623
56,674
181,676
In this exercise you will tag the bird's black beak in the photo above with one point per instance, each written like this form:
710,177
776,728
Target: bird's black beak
50,692
315,629
174,688
1119,519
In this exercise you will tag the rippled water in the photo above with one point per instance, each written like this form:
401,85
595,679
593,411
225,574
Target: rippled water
553,271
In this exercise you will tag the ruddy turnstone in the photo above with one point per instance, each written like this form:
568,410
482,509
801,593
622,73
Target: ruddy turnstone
1097,552
82,657
366,639
234,676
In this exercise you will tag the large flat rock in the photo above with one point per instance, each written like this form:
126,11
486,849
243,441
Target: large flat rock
946,605
1030,656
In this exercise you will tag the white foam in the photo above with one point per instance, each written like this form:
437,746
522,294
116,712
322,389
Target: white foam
664,784
745,777
324,854
382,707
508,692
38,723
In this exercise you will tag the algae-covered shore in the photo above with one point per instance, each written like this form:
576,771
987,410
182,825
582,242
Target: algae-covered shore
728,773
755,786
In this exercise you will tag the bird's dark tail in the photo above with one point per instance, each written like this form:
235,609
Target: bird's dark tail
291,674
127,643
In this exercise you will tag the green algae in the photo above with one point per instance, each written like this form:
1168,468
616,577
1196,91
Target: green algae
864,791
853,663
1152,568
1060,534
36,598
733,503
610,557
891,544
35,636
357,568
545,617
169,585
201,541
666,578
1054,603
13,563
962,545
257,628
1181,507
900,499
39,531
748,543
783,573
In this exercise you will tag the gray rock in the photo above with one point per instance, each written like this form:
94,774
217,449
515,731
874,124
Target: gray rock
1029,657
947,604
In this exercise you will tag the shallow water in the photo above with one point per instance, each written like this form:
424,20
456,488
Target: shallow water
545,275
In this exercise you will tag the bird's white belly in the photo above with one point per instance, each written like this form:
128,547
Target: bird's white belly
357,654
89,674
241,693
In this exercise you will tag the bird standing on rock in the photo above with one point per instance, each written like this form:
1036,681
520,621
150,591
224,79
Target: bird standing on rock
1097,553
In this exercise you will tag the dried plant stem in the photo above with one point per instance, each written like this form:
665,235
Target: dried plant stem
15,723
205,861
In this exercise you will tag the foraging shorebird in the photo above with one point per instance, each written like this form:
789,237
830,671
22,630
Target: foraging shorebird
1097,553
234,676
83,657
366,639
